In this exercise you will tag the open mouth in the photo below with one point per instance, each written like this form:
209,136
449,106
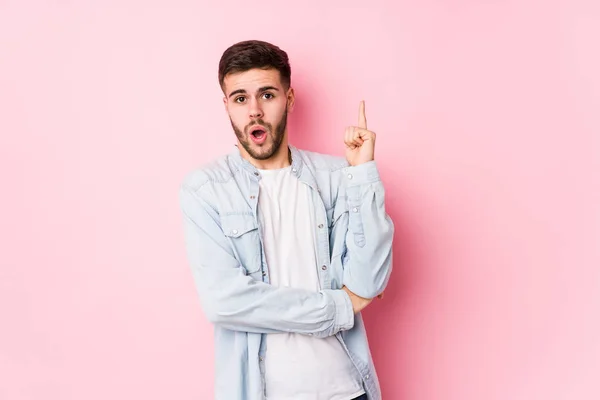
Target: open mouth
258,134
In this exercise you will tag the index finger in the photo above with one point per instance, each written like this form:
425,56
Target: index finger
362,119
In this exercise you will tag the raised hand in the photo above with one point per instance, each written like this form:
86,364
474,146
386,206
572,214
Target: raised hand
359,141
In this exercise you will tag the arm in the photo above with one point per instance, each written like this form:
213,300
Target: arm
368,260
235,301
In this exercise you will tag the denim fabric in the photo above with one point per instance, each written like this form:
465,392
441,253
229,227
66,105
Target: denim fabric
225,250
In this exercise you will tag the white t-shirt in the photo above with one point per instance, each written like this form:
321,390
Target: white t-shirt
298,367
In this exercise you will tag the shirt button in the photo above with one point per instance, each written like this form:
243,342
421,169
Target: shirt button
234,231
260,359
367,377
252,197
293,169
320,226
324,267
355,209
349,176
256,173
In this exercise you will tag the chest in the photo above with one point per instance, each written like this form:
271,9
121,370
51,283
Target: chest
249,210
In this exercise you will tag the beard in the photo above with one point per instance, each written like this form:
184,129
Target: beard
271,144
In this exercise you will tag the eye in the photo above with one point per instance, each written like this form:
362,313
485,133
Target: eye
240,99
268,96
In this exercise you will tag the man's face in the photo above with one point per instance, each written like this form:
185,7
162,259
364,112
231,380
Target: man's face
257,105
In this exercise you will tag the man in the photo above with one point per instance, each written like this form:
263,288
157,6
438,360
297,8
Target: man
286,246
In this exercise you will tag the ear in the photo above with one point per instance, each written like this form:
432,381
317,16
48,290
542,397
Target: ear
291,99
225,103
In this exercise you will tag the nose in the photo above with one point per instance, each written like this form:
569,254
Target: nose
255,110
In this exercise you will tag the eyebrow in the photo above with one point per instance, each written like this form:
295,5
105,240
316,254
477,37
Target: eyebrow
262,89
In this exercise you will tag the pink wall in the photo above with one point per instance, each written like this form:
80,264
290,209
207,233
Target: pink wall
488,123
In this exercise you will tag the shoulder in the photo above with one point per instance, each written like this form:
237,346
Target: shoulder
220,169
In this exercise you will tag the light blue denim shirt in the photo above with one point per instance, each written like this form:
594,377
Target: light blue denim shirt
224,246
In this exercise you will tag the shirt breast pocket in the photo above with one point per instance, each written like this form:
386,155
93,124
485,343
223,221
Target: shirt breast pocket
242,232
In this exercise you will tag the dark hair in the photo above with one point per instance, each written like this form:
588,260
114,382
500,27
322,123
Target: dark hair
250,54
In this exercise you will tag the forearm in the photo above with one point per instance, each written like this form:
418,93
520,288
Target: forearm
368,261
250,306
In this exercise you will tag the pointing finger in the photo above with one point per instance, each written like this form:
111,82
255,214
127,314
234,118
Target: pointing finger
362,119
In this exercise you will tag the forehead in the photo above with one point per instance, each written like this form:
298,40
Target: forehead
252,79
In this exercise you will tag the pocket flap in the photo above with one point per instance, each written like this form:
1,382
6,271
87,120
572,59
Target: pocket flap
235,225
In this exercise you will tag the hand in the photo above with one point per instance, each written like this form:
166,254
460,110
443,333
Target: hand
358,303
360,142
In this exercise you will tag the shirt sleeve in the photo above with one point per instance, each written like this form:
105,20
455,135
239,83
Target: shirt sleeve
368,260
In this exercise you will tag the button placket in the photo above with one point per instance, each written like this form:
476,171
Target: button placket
323,253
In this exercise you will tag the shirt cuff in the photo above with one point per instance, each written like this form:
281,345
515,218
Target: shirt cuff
361,174
344,315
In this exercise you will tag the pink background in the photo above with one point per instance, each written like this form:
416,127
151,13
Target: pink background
487,114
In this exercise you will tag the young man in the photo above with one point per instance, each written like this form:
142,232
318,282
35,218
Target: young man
286,246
